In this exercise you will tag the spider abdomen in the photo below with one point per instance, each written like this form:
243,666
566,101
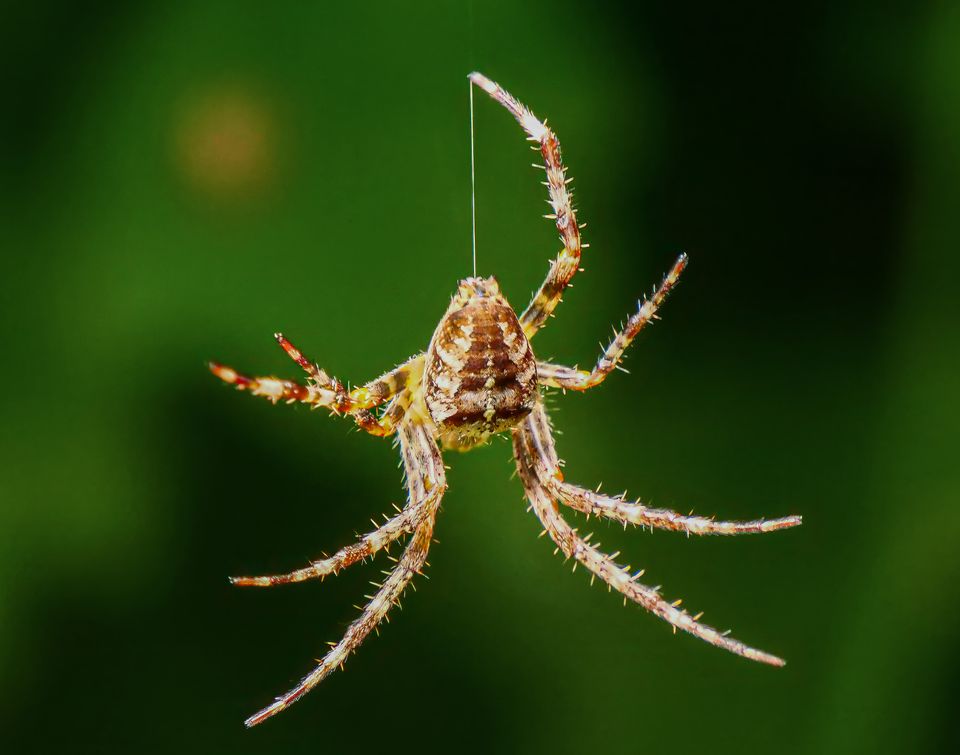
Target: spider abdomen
481,375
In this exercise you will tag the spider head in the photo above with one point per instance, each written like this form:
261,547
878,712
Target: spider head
476,288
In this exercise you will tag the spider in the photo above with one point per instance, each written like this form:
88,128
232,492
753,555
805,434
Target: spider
479,377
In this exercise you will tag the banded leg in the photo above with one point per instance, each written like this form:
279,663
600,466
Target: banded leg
358,402
558,376
271,388
388,422
326,392
367,396
565,266
428,481
391,530
396,409
625,512
537,464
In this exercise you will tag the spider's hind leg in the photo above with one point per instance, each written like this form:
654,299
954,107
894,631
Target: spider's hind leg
634,512
426,482
371,543
410,563
537,465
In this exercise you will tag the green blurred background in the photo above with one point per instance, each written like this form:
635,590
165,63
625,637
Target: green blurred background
180,180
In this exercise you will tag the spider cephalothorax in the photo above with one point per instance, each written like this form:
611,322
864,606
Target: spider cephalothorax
478,377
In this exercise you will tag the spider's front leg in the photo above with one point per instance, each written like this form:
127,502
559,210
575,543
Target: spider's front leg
539,470
324,391
565,266
558,376
426,482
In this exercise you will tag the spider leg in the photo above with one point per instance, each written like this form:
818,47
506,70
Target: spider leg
537,463
426,482
625,512
271,388
558,376
391,530
367,396
387,423
565,266
326,392
394,528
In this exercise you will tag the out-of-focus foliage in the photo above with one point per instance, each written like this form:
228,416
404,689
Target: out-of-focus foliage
180,180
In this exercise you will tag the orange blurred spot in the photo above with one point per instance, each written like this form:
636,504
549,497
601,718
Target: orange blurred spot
226,144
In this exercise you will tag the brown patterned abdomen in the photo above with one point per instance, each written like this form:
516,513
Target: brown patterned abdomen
481,375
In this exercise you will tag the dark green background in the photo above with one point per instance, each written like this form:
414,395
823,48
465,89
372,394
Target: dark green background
180,180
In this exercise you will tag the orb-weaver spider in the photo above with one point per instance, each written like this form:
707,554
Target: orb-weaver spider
478,377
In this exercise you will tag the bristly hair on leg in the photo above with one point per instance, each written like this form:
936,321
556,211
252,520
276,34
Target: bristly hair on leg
426,483
537,464
545,301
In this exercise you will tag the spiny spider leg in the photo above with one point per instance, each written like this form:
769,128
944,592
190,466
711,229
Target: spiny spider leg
426,483
410,563
626,512
565,266
289,391
537,464
271,388
394,528
367,396
387,423
326,392
558,376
